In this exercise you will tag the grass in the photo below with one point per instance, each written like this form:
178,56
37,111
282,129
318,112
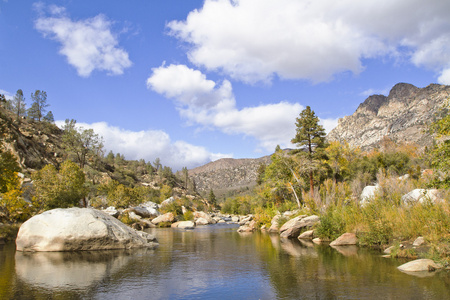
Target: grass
386,219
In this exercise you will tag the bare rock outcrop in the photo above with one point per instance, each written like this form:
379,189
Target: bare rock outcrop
402,116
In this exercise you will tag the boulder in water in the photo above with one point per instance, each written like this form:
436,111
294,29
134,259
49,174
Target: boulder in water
73,229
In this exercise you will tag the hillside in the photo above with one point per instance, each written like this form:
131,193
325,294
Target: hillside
35,144
402,116
227,175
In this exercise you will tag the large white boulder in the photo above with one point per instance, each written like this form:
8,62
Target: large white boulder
151,207
73,229
184,225
292,228
346,239
419,265
421,195
167,218
368,193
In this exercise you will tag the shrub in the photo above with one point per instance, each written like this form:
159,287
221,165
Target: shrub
188,216
63,188
331,224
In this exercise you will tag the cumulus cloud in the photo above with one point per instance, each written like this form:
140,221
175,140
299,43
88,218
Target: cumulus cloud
150,144
371,92
206,103
329,124
87,44
7,94
253,40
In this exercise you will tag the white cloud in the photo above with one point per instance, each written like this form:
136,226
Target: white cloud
7,94
444,78
87,44
329,124
252,40
150,144
371,92
206,103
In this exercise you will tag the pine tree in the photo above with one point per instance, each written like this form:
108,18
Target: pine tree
49,117
310,138
212,198
18,105
37,109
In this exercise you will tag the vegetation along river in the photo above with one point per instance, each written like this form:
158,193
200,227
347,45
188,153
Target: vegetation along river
214,262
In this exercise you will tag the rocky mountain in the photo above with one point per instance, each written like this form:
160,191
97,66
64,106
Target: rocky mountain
227,174
402,116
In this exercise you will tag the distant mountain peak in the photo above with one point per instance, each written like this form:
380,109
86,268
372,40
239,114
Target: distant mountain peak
402,116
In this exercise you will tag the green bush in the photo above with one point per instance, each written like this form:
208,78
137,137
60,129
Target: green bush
331,225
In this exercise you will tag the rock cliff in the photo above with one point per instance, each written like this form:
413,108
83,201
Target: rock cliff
402,116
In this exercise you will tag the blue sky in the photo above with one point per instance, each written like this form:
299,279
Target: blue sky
194,81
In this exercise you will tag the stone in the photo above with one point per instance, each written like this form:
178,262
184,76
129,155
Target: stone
184,225
235,219
419,242
204,216
201,221
388,250
368,193
307,235
134,216
250,227
112,211
345,239
293,227
419,265
421,195
275,224
246,220
73,229
167,217
152,208
167,202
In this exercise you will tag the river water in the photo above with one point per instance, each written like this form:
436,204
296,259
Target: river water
215,262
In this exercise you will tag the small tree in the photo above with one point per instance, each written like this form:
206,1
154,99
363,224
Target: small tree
185,175
212,198
49,117
18,105
310,138
81,143
38,106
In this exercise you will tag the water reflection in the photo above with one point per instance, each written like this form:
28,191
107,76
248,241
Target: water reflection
69,270
214,262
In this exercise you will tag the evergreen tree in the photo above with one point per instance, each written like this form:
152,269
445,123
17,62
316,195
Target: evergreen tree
18,105
37,109
157,164
310,138
185,175
49,117
212,198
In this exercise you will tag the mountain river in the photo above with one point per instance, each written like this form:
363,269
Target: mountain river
215,262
